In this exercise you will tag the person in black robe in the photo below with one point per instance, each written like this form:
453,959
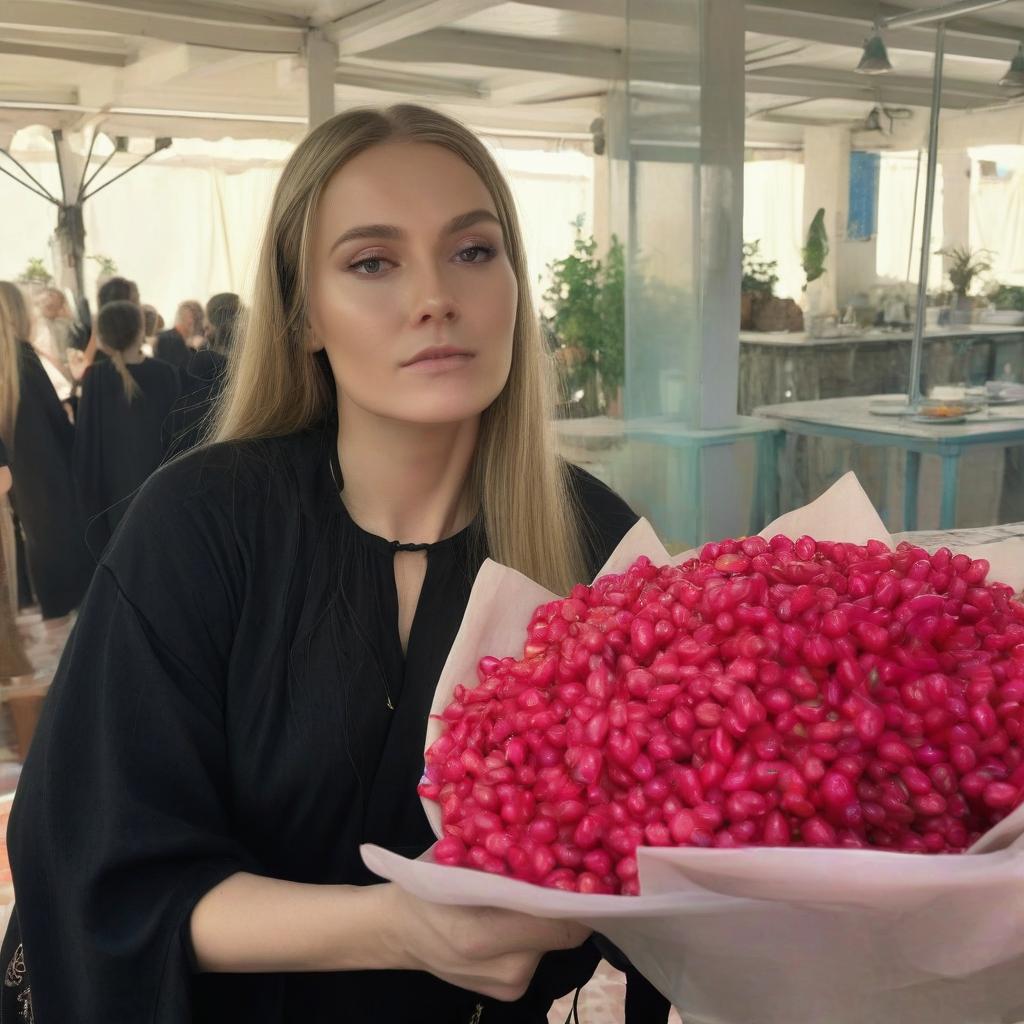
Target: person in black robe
172,346
244,701
122,415
43,495
204,374
13,661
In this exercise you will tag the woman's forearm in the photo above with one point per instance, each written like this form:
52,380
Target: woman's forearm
251,924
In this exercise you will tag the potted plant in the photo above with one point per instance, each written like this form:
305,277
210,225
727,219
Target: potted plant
1006,304
35,276
760,308
759,280
586,327
821,321
965,264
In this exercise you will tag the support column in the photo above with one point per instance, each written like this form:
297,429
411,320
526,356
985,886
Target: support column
321,66
720,220
69,239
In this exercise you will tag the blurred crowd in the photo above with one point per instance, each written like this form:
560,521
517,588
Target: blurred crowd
91,403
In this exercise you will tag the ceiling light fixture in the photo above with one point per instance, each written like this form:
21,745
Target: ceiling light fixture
875,59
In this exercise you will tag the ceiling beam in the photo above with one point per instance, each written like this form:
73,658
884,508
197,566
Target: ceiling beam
451,46
227,27
38,95
361,76
77,56
826,78
847,22
389,21
819,83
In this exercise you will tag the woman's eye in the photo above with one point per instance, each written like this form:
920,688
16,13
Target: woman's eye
370,261
370,266
485,249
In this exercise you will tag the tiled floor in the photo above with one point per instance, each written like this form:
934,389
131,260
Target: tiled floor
601,1002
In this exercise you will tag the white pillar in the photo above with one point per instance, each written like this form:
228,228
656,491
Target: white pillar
321,65
827,186
723,124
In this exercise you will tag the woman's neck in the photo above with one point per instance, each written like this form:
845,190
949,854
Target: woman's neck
404,481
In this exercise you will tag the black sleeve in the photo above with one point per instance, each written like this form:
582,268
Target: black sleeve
4,460
37,389
604,517
121,820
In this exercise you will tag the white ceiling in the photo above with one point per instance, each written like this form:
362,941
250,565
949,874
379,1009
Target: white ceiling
227,68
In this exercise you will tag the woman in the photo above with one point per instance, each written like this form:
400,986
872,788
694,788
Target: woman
246,696
39,436
122,420
13,661
202,377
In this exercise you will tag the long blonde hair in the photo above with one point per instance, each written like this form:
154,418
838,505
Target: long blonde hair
275,386
15,327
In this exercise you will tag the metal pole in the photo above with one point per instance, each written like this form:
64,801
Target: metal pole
913,19
917,348
913,214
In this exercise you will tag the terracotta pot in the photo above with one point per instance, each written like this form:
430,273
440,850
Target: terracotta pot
746,311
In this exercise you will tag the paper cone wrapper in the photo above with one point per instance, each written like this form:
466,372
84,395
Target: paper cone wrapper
770,935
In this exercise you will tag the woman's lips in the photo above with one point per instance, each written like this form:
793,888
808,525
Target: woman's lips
440,364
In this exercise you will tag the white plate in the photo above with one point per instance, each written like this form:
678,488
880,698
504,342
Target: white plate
940,421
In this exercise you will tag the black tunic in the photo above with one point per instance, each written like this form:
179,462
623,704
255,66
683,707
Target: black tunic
222,707
43,495
202,380
172,348
119,443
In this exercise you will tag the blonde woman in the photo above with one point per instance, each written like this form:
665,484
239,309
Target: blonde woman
39,437
13,661
246,696
123,417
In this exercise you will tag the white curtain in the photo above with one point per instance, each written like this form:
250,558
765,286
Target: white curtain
188,223
897,248
997,211
773,198
551,190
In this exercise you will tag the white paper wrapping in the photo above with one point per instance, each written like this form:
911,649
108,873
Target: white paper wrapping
760,935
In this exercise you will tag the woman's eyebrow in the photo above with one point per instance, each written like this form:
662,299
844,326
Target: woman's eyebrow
459,223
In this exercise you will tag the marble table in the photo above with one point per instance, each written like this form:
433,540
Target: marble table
851,419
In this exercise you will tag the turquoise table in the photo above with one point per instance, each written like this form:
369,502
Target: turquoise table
851,420
686,524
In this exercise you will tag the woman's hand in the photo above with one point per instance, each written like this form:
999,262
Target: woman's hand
493,952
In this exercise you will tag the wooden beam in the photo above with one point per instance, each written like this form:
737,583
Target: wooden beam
389,21
230,28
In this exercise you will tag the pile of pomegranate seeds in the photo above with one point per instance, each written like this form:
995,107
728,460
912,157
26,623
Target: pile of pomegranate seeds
766,693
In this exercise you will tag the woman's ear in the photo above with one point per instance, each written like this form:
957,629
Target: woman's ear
311,339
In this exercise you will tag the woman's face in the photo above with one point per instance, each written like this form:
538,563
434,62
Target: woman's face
400,276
